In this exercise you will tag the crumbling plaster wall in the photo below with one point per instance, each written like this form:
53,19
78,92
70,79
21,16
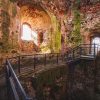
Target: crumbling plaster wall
10,26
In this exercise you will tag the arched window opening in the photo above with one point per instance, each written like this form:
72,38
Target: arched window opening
28,34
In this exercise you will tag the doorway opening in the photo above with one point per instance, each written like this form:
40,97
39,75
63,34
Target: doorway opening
96,41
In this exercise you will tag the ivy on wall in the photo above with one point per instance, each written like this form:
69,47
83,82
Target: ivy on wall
14,11
5,30
75,36
7,43
55,34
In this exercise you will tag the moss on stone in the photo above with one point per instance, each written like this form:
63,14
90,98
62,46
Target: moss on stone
75,36
55,34
5,31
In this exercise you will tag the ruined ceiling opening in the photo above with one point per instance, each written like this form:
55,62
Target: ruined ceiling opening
35,15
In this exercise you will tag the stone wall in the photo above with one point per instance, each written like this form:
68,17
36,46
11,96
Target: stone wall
9,29
9,26
70,22
90,24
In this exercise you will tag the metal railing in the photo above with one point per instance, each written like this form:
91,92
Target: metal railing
83,50
14,88
36,61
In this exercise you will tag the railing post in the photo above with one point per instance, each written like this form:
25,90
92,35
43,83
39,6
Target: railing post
57,58
34,62
80,51
73,54
7,72
45,60
97,49
95,75
19,64
7,80
94,50
62,56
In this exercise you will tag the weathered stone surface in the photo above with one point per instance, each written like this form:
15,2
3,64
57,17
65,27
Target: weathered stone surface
42,15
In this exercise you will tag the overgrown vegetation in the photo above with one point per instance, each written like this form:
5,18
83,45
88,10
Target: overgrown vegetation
55,34
5,31
14,11
7,42
75,36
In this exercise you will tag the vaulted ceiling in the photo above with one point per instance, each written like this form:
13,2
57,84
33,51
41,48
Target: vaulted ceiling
36,16
35,13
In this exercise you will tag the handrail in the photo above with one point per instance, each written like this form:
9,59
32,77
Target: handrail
16,84
79,51
83,50
14,89
13,80
71,49
23,55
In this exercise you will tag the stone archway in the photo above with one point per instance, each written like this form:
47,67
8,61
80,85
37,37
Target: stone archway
37,19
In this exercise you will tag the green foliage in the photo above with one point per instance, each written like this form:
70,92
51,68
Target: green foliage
58,38
55,34
5,18
0,4
14,11
75,36
77,4
5,31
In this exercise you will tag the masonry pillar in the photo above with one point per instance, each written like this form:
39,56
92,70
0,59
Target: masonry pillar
40,38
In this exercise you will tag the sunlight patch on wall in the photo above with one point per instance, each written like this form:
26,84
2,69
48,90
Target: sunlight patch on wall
96,40
28,34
